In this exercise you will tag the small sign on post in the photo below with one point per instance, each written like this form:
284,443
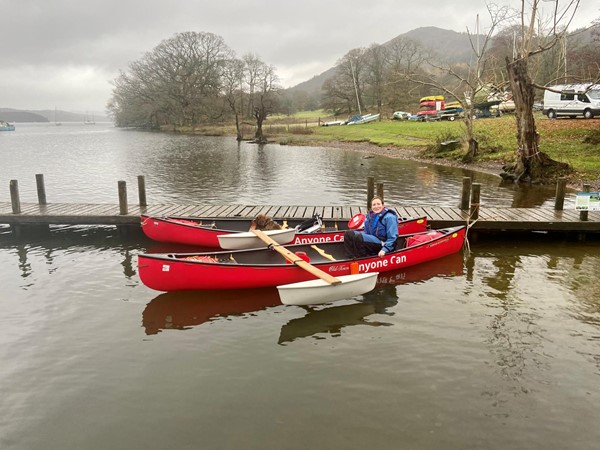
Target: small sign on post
587,201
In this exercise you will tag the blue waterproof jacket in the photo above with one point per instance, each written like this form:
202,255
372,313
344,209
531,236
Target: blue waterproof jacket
382,228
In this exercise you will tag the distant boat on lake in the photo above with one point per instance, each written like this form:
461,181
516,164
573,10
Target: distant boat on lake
5,126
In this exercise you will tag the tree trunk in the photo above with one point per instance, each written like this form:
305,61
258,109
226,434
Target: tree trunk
531,165
473,149
259,137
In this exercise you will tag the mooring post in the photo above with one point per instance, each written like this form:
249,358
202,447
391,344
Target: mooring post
561,186
475,194
465,198
142,190
583,215
370,190
122,198
14,197
41,188
380,190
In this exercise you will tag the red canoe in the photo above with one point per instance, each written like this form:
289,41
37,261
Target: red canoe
205,232
246,269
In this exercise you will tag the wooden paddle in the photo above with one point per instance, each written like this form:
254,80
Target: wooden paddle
321,252
293,258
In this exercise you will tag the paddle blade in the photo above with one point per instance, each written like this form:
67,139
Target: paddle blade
316,292
248,240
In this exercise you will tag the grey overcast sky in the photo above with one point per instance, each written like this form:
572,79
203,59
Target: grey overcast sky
65,53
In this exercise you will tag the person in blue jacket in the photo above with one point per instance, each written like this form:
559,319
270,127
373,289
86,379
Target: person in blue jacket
379,234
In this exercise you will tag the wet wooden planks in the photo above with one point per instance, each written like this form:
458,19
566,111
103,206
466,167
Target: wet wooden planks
489,218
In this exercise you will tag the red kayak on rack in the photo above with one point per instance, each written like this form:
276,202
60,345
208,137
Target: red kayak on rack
246,269
205,232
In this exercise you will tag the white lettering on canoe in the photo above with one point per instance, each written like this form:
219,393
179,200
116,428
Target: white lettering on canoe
316,239
382,264
166,268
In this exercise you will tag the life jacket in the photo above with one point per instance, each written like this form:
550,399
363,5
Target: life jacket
374,225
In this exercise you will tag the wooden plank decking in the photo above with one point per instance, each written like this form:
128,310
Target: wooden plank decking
515,219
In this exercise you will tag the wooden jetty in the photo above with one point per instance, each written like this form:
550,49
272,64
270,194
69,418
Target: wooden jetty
42,214
514,219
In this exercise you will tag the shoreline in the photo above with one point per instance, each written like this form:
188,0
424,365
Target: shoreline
488,167
492,168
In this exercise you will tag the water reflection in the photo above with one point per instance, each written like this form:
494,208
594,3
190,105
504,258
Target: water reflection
523,286
525,196
24,265
128,266
71,239
451,265
183,310
327,321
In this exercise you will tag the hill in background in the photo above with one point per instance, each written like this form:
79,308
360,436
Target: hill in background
45,115
455,48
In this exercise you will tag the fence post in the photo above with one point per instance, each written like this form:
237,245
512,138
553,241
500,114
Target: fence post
142,190
583,215
122,197
41,188
465,198
14,197
475,195
559,202
370,191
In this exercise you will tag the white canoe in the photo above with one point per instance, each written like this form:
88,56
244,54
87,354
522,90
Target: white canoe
316,292
248,240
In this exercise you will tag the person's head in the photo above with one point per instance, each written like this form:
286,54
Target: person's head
377,204
264,222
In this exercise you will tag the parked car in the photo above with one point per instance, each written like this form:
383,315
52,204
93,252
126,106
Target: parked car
572,100
400,115
450,114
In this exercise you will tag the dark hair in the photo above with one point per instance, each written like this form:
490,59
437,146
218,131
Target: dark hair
378,197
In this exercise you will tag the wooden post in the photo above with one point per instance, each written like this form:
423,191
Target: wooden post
583,215
14,197
475,194
465,199
559,202
370,190
142,190
41,188
122,198
380,190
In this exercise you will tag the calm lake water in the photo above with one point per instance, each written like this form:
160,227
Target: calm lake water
496,348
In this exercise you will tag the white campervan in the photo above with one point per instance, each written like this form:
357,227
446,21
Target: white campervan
572,100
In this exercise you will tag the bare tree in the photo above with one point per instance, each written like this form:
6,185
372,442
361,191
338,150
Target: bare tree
377,62
264,97
469,85
537,35
349,82
178,82
233,87
405,56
